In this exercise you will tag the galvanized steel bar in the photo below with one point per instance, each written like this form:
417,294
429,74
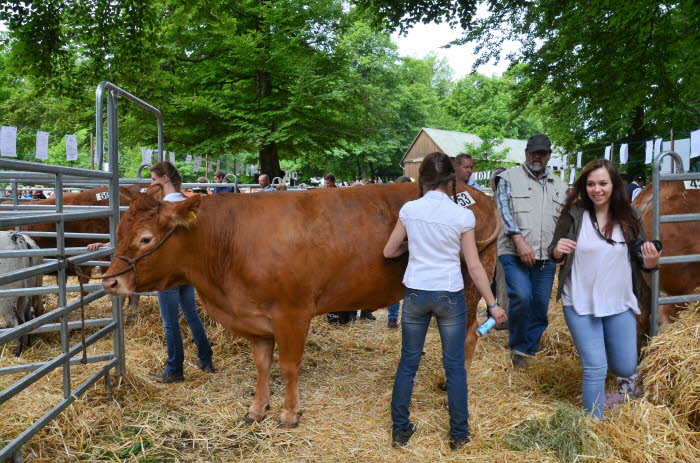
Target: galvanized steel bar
8,219
72,251
34,323
676,218
681,176
679,299
687,259
87,236
35,366
25,166
20,440
54,363
53,327
49,289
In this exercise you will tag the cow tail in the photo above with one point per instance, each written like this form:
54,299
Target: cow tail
496,230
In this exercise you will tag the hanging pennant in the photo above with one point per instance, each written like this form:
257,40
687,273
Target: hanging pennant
649,153
657,147
42,145
188,159
624,153
608,149
197,163
146,156
172,157
8,141
218,165
572,176
71,148
579,155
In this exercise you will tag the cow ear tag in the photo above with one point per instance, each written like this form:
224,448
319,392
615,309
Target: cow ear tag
191,217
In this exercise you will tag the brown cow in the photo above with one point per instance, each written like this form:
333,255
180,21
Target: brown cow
678,239
245,270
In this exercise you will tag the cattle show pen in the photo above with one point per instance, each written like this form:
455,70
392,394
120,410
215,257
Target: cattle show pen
352,366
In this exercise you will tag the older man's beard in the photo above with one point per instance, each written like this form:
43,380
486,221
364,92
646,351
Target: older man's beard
536,169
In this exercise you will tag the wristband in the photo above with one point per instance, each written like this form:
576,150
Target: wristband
492,306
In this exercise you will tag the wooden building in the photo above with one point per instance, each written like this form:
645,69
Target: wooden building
452,143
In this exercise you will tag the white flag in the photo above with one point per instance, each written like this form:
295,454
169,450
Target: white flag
657,147
188,159
572,175
649,154
146,156
218,165
197,163
624,153
71,148
172,157
695,143
8,141
42,145
579,155
608,150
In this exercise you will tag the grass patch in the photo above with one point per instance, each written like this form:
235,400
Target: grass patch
564,434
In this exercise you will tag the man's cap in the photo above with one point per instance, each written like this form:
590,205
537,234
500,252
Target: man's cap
639,178
539,142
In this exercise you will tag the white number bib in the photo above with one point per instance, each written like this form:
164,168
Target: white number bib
464,199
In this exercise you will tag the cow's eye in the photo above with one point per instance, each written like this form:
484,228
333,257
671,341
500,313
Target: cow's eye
145,240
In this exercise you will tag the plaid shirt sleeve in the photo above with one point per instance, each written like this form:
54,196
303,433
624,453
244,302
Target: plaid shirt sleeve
504,201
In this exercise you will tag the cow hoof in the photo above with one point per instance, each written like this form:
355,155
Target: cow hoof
250,419
288,425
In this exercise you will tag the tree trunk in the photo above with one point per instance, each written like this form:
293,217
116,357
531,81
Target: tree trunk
637,151
269,161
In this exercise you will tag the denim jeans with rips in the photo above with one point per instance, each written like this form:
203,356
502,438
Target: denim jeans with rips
602,342
169,301
450,310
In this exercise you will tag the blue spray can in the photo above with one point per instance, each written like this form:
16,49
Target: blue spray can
486,326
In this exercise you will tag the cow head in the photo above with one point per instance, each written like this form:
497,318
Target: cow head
150,245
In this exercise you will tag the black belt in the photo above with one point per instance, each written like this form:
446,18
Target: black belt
541,263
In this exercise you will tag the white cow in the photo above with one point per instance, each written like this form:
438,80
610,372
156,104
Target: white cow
17,310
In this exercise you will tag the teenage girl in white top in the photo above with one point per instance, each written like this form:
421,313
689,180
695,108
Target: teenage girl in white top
437,230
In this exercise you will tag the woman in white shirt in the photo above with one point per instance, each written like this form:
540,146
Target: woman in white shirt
171,300
600,276
437,230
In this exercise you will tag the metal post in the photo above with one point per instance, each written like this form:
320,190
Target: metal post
61,282
113,152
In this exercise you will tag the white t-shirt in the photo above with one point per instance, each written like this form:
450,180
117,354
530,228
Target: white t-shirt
600,283
174,197
435,224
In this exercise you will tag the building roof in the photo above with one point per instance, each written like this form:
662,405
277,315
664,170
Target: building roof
452,143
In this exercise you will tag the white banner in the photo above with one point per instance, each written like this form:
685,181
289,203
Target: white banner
188,159
624,153
579,155
42,145
172,157
71,148
649,154
197,163
657,147
572,175
146,156
695,143
608,150
8,141
218,165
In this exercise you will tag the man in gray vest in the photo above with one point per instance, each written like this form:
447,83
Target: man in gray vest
529,198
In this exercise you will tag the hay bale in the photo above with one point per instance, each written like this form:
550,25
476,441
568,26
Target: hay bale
670,370
641,432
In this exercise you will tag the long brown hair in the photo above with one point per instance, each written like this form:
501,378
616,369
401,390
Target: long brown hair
621,212
437,170
165,168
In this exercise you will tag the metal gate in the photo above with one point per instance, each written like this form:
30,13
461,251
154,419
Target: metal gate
15,215
657,178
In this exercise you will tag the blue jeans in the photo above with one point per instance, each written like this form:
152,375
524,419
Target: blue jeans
450,310
169,301
529,289
393,310
601,341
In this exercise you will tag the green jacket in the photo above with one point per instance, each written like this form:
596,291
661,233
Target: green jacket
569,226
